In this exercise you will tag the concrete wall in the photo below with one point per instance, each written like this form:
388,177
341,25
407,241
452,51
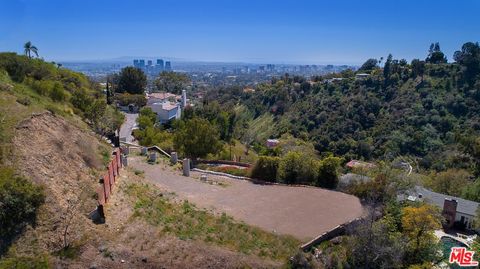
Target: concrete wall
223,162
336,231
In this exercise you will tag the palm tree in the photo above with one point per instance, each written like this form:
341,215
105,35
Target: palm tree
29,48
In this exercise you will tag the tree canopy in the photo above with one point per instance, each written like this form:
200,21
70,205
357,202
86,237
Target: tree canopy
132,80
196,138
173,82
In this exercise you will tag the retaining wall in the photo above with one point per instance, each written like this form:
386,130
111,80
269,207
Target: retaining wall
328,235
109,178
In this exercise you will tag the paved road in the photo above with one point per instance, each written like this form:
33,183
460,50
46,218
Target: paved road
299,211
126,129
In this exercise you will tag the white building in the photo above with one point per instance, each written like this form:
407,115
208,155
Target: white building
167,106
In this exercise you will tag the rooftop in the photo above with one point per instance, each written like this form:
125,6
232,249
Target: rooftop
463,206
162,95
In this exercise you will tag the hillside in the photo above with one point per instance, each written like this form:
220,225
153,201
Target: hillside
426,112
51,159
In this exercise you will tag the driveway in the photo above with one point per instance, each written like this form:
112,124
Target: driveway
303,212
127,126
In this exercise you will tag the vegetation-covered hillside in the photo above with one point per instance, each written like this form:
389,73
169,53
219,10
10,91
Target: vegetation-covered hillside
31,140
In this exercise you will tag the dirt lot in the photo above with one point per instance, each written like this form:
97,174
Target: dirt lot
303,212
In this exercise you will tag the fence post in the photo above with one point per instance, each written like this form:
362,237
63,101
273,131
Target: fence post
186,167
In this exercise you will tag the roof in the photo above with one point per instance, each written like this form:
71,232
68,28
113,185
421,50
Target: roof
353,178
162,95
463,206
358,164
169,106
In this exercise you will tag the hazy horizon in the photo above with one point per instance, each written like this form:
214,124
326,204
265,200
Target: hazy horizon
290,32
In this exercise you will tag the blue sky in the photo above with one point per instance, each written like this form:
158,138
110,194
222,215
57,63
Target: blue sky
290,31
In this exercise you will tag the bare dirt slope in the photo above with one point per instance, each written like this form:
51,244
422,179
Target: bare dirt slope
65,160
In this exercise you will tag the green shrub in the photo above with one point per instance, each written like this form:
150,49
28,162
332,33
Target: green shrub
40,262
230,170
125,99
328,172
19,201
296,168
24,101
266,168
57,93
16,66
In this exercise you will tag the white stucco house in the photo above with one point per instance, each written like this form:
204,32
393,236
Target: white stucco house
167,106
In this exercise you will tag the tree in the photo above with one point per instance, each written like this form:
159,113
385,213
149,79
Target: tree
146,118
418,224
373,245
196,138
29,48
435,55
171,82
266,168
418,68
132,80
70,217
451,181
369,65
297,167
469,58
387,68
19,202
328,172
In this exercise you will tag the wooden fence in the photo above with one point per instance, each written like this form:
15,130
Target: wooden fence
110,178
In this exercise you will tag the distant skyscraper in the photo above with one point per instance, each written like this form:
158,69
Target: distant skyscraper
150,62
141,63
168,66
160,67
136,63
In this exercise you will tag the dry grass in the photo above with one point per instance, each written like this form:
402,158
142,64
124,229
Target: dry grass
188,222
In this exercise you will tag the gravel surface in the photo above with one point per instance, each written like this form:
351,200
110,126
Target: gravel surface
303,212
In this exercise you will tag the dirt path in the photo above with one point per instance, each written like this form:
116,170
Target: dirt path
299,211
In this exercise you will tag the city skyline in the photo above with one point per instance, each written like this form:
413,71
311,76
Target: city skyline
290,32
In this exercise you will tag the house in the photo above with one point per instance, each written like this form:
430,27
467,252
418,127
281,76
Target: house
166,111
359,164
361,76
160,97
166,105
454,209
349,179
271,143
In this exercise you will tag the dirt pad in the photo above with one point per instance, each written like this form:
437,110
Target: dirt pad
303,212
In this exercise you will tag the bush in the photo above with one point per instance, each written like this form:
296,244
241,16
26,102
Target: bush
230,170
126,99
296,167
328,172
19,201
266,168
24,101
57,92
16,66
37,262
